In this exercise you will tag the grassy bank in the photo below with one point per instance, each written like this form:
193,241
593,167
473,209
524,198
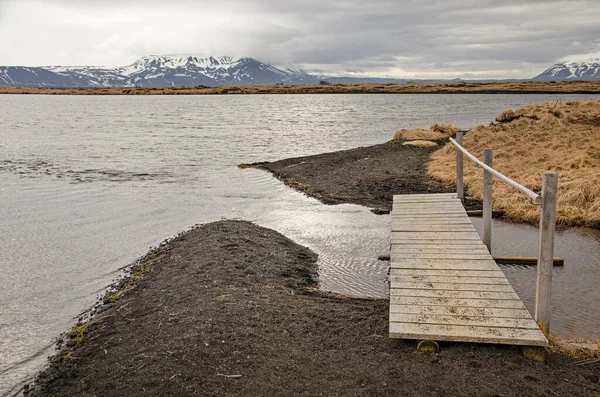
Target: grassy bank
366,88
562,137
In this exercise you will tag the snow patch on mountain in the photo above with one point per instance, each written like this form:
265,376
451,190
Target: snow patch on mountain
575,70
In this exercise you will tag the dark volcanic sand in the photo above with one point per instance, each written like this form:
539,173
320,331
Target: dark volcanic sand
368,176
228,309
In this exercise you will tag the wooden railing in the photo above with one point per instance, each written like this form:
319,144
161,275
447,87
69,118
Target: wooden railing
547,200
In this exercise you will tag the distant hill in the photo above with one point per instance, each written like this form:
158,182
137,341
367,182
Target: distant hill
157,71
191,71
168,71
588,70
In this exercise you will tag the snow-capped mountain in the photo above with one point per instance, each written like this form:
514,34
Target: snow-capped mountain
581,70
158,71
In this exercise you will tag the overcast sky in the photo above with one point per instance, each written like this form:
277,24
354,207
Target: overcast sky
402,38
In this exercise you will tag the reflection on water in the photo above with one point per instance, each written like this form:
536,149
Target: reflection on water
575,292
87,184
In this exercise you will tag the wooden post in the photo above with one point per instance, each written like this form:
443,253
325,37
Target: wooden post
546,251
487,200
460,190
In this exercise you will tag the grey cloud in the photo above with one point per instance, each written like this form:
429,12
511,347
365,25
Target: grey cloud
459,38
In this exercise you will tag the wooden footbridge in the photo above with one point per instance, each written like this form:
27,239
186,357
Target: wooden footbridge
444,282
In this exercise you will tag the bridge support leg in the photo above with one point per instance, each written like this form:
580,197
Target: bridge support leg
428,346
535,353
546,251
460,189
487,200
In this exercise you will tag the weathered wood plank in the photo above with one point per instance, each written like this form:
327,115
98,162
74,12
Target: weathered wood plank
426,221
433,293
403,199
480,321
418,218
449,279
426,195
440,272
454,287
433,228
442,255
467,246
455,333
435,242
461,311
453,249
436,205
435,236
443,264
431,211
456,302
525,260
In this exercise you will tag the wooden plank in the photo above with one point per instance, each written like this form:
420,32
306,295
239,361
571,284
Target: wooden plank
403,214
480,321
435,236
461,311
456,302
433,228
420,200
441,247
430,211
434,293
433,249
427,198
454,286
429,204
525,260
456,333
442,272
439,196
430,218
469,264
449,279
436,242
466,245
437,205
427,221
426,195
456,255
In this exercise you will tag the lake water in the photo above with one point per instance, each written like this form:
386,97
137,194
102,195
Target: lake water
89,183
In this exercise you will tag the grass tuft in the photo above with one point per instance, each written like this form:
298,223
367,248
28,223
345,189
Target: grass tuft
420,143
435,133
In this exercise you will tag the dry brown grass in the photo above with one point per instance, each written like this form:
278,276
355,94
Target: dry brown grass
420,143
562,137
408,88
585,349
435,133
